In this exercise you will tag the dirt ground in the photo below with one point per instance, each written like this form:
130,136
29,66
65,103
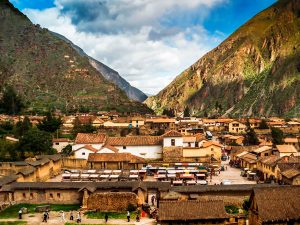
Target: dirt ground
55,218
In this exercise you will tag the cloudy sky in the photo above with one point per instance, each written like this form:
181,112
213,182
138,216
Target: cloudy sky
149,42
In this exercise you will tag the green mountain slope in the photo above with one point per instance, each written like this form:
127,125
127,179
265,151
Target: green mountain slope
254,72
49,73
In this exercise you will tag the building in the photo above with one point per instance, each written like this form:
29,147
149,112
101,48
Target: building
276,205
236,127
95,140
115,161
192,212
59,143
285,150
292,141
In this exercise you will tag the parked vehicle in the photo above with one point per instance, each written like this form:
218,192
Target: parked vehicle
226,182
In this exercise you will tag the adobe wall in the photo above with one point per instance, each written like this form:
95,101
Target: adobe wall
111,201
73,163
48,196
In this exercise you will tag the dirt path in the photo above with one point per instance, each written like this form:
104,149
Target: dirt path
35,219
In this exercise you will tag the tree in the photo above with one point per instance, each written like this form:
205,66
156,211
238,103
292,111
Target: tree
263,124
277,136
250,136
169,112
67,151
50,123
36,141
22,127
11,103
186,112
82,128
6,128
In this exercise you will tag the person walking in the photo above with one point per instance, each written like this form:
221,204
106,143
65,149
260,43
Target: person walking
71,215
137,217
63,218
128,216
45,217
78,217
106,217
20,214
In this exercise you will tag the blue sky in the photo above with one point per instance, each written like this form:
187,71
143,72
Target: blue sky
148,42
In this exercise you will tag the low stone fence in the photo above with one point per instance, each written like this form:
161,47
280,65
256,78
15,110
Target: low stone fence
111,201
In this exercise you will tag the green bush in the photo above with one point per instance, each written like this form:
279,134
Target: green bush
131,207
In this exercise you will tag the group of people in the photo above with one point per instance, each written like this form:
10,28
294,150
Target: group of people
127,215
62,216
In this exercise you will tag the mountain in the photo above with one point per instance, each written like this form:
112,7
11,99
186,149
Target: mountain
254,72
110,74
49,73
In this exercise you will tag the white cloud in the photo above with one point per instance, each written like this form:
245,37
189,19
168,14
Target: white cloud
147,53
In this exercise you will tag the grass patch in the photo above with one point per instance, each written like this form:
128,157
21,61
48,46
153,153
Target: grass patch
13,223
12,211
111,215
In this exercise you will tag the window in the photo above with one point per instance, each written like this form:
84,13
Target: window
57,143
190,144
212,149
172,142
51,196
31,195
83,153
124,147
196,144
58,195
24,195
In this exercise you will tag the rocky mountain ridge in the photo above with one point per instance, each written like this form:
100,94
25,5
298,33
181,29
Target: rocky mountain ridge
254,72
49,73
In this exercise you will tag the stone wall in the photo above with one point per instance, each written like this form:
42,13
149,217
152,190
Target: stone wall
111,201
172,154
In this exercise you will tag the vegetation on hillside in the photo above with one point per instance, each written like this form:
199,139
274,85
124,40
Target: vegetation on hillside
254,72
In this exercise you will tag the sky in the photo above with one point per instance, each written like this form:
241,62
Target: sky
149,42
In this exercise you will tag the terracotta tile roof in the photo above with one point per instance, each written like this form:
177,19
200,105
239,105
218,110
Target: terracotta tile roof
286,148
290,173
192,210
278,203
89,138
85,119
88,147
270,160
249,157
265,143
172,133
189,138
134,141
160,120
262,149
209,143
200,137
114,157
110,148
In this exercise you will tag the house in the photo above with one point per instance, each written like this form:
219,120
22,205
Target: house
236,127
263,151
248,160
285,150
96,140
291,176
267,167
230,139
120,122
137,122
293,141
84,151
148,147
115,161
192,212
214,149
68,122
60,143
157,124
275,205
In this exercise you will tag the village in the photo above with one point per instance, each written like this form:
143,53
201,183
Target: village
163,170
